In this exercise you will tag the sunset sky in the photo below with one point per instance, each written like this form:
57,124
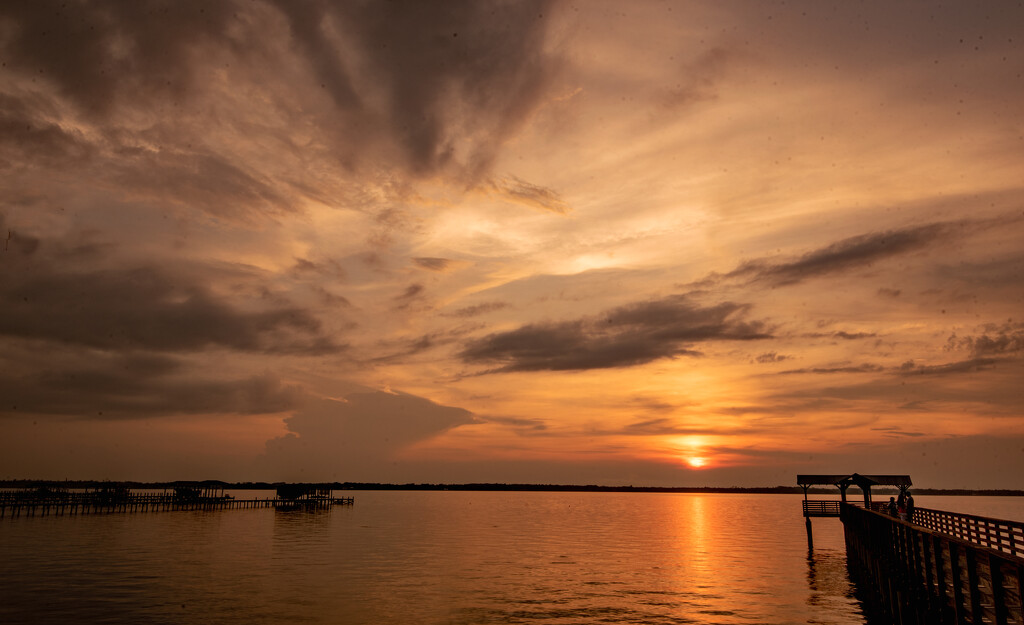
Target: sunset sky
647,243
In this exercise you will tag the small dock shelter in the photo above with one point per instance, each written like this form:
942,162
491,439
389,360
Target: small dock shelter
830,508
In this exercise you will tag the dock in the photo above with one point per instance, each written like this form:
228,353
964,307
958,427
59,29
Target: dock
115,499
935,568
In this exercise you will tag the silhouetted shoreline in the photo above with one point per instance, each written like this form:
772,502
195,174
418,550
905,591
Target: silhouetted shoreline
28,483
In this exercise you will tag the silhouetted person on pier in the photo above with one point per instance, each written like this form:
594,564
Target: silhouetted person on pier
901,506
910,507
891,508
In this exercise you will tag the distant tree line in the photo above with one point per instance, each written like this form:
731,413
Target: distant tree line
574,488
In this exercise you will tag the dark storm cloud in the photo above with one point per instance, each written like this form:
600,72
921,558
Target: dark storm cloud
489,55
146,308
141,307
306,20
97,53
449,72
113,386
439,84
629,335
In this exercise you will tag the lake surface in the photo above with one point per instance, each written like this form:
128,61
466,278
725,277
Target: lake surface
445,557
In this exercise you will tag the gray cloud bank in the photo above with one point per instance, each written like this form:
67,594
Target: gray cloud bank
358,437
50,298
86,338
624,336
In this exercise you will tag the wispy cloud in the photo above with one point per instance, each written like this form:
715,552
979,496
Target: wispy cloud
411,292
433,264
846,254
521,192
1004,339
862,368
857,251
897,432
841,334
973,365
521,424
478,309
698,80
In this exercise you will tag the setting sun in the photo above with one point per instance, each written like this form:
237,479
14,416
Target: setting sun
697,462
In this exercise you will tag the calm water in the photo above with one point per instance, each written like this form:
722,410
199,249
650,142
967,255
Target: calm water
443,557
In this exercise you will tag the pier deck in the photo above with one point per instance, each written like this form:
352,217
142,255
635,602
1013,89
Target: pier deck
15,504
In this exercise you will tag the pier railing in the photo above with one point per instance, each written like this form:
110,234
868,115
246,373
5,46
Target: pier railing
922,576
998,534
830,507
819,508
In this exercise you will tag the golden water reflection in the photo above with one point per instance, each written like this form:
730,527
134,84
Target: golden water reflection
461,558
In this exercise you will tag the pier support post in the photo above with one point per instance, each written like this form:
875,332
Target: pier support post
810,537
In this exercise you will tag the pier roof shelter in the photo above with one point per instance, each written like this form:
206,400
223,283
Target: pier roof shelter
864,482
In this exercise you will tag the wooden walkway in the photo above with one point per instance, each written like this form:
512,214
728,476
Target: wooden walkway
15,504
943,568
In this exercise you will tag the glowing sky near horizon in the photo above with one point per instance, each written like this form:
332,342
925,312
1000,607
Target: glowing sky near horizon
648,243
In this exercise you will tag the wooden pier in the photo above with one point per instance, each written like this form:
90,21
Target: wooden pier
921,576
936,568
47,502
